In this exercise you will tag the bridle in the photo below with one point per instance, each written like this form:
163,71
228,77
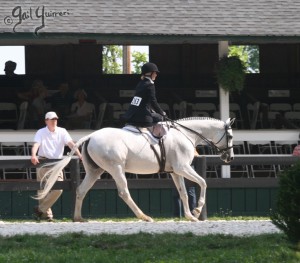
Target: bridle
226,128
210,143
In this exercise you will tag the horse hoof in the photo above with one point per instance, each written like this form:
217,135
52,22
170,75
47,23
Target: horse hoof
191,218
194,219
147,218
197,212
80,220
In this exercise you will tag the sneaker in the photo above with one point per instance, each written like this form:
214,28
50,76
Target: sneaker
37,214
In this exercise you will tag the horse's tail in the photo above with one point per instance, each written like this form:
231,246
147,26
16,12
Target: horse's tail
52,174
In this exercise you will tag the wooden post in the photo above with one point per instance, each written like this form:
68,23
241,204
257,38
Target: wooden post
126,60
75,179
224,103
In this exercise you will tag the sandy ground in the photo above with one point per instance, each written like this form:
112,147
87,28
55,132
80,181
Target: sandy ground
237,228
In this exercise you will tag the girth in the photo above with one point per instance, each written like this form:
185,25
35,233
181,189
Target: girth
162,158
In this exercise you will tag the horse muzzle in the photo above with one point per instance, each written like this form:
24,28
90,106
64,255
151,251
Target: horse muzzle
227,158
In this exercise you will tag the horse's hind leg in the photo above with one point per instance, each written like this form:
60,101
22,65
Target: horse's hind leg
121,182
180,185
90,178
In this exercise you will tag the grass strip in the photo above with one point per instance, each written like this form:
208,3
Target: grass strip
79,247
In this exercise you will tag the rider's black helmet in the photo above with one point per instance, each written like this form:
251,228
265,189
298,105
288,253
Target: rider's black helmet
149,67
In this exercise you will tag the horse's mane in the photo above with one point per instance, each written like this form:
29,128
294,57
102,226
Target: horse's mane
198,118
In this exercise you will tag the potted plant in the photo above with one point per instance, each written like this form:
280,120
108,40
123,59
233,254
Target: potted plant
230,73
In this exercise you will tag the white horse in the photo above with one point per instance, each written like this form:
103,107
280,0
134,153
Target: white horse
118,151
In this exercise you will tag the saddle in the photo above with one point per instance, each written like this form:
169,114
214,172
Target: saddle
156,134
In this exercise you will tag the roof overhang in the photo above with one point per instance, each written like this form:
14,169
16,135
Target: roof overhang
135,39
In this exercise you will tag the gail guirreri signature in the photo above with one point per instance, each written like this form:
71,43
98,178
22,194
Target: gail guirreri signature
38,14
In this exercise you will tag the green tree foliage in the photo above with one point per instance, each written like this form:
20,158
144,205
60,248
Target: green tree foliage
287,213
249,55
138,60
112,59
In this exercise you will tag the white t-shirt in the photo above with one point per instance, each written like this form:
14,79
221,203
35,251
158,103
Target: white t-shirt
83,110
52,144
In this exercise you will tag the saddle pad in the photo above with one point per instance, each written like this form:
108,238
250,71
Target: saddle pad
141,130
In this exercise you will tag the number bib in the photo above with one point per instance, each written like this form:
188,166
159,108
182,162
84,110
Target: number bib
136,101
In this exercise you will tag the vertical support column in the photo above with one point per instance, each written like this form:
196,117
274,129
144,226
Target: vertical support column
75,179
224,104
200,168
126,60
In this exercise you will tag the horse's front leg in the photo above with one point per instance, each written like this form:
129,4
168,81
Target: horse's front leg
180,185
189,173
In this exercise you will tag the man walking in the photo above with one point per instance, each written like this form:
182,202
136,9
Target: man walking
49,143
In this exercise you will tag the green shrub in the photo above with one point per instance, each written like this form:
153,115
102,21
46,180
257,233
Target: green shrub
230,73
287,213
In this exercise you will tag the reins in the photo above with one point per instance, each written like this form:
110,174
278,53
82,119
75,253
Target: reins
210,143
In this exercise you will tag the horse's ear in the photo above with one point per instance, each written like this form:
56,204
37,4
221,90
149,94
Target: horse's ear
232,121
229,121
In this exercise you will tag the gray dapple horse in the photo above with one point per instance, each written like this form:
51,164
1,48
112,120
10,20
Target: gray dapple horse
118,151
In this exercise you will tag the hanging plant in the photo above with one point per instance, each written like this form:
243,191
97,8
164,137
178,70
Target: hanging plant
230,72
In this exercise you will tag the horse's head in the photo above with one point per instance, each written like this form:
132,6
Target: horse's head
225,143
220,140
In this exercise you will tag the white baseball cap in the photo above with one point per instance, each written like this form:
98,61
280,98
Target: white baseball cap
51,115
